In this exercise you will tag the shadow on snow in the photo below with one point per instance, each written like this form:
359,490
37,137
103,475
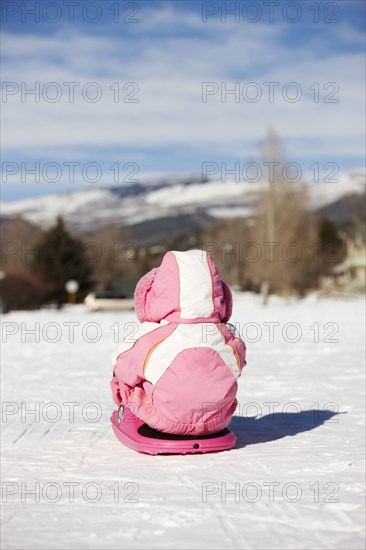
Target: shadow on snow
252,430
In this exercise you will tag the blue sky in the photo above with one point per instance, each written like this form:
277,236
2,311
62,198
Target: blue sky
159,55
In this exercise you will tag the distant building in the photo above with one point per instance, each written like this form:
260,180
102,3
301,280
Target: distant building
351,273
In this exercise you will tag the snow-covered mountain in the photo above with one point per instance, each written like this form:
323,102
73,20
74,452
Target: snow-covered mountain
136,203
188,201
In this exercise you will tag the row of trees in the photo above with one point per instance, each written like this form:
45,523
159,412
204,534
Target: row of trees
289,255
292,259
36,264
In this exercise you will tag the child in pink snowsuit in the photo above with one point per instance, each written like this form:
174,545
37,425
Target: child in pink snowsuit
178,371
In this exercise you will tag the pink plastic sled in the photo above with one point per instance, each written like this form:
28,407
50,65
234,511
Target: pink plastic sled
133,433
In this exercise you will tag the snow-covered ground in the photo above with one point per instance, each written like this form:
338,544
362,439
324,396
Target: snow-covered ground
294,481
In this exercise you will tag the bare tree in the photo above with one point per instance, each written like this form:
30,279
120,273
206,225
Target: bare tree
283,229
225,241
18,245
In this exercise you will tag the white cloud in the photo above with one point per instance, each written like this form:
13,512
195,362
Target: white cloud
169,71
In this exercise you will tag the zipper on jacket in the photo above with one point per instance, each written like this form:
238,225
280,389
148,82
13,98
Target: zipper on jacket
120,414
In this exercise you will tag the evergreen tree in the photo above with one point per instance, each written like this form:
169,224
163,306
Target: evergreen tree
330,248
328,235
60,257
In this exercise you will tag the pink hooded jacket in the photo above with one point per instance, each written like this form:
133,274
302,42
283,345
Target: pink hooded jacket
178,372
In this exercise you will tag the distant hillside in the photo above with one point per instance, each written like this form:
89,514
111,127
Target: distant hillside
342,210
169,206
